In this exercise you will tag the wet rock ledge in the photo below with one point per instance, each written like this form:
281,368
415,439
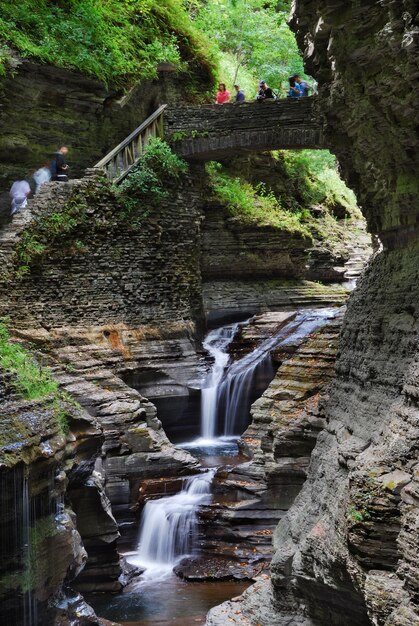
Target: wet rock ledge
44,471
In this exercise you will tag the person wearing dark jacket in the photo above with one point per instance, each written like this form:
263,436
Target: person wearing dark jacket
240,97
265,92
59,167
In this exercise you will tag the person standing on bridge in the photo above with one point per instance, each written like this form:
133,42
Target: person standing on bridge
303,85
294,88
265,92
240,97
223,95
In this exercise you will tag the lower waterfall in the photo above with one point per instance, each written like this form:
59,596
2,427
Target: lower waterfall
168,528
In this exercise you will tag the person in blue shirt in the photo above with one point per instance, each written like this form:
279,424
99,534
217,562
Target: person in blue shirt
240,97
304,86
294,88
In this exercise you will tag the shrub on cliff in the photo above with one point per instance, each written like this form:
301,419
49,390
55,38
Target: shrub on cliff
148,180
254,204
315,179
30,380
119,41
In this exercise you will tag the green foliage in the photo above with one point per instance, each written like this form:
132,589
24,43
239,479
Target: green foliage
37,239
194,134
118,41
314,173
30,379
254,204
34,567
303,180
357,516
148,180
4,59
256,36
244,76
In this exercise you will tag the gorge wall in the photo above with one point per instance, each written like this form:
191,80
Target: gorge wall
45,472
346,552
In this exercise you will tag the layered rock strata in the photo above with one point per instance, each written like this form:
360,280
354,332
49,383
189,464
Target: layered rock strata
150,273
226,300
346,552
89,366
41,468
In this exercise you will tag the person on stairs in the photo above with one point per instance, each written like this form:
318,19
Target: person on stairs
19,193
58,166
41,176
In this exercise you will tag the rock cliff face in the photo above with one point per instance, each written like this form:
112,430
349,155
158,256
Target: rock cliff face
345,550
41,469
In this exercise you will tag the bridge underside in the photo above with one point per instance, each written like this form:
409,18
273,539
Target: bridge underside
214,132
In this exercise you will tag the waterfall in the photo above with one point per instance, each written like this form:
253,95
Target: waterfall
216,344
168,529
229,391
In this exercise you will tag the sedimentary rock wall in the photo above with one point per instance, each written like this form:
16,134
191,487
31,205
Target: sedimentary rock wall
110,269
361,53
41,469
234,250
347,549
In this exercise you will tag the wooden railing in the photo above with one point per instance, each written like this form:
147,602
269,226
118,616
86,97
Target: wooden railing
122,159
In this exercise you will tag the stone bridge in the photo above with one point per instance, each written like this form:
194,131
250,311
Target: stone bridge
211,132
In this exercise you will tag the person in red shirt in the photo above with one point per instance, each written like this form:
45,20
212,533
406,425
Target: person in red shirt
223,95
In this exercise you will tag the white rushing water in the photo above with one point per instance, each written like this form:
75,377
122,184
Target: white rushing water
230,389
216,344
168,528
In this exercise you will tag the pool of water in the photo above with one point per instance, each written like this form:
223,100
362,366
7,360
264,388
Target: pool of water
217,452
169,602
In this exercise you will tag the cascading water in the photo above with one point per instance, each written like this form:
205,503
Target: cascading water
216,344
168,527
228,400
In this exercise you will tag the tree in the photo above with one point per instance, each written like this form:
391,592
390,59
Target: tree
256,34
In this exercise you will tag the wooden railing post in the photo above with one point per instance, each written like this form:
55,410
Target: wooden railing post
120,161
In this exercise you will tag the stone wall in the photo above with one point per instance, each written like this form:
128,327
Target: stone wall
214,132
141,273
361,53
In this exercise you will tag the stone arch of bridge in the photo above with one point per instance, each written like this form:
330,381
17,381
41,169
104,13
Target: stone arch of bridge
211,132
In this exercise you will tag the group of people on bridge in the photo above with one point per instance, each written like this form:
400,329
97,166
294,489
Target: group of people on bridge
56,169
298,88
